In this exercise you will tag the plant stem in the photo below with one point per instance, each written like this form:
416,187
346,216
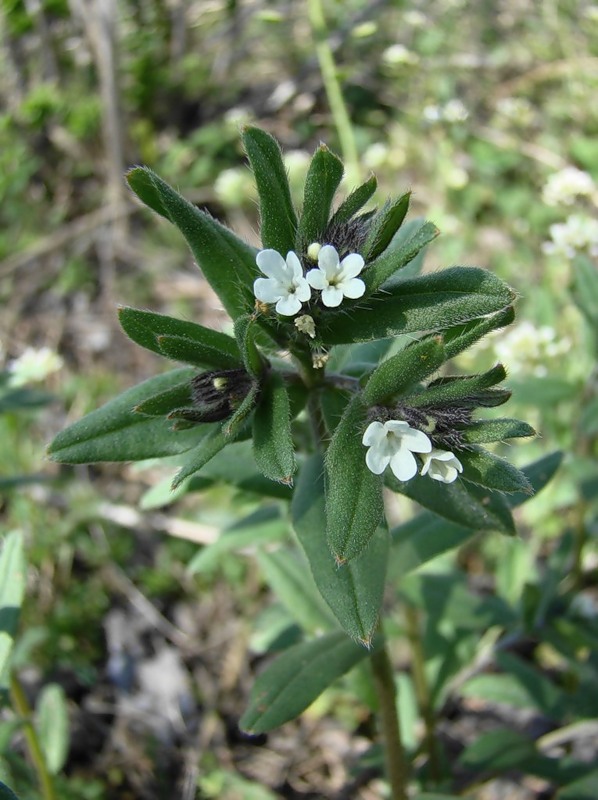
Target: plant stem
422,691
23,708
332,87
394,754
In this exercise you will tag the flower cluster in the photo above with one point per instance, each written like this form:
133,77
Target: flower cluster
394,443
286,284
565,186
579,233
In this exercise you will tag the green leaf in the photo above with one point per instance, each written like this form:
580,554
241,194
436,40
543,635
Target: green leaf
398,374
264,525
395,258
212,443
161,334
52,726
160,405
246,331
238,419
462,337
354,591
585,788
427,303
13,570
451,390
296,678
385,223
496,430
293,584
489,470
427,536
354,202
585,289
272,440
227,262
498,751
543,392
323,179
115,432
6,793
278,221
354,506
467,505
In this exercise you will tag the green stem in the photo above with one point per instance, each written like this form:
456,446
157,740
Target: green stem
332,87
394,754
422,690
23,708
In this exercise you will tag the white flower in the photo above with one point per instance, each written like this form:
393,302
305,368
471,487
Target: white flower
337,279
394,443
563,187
578,233
285,284
33,366
441,465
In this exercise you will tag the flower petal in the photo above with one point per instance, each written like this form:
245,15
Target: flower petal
288,306
376,461
353,288
272,264
352,265
328,261
403,465
332,296
267,290
416,441
373,433
294,265
317,279
302,290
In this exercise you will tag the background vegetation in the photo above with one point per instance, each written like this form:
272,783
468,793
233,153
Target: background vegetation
475,107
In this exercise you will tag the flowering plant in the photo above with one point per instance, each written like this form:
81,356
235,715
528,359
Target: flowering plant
323,392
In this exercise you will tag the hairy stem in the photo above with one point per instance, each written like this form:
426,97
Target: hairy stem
394,754
422,690
332,87
23,708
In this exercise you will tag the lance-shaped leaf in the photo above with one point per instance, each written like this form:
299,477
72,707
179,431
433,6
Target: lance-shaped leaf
115,432
246,332
427,536
430,302
393,259
296,678
385,223
213,442
464,336
354,591
354,505
322,181
400,373
278,221
179,348
354,202
272,439
13,573
451,390
249,402
163,403
227,262
489,470
496,430
153,331
462,503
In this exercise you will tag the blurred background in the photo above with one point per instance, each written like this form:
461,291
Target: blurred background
487,111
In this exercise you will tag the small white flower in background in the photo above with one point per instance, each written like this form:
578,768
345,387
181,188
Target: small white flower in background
234,186
394,443
313,251
337,279
577,234
455,111
306,324
441,465
285,284
562,188
34,366
399,54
